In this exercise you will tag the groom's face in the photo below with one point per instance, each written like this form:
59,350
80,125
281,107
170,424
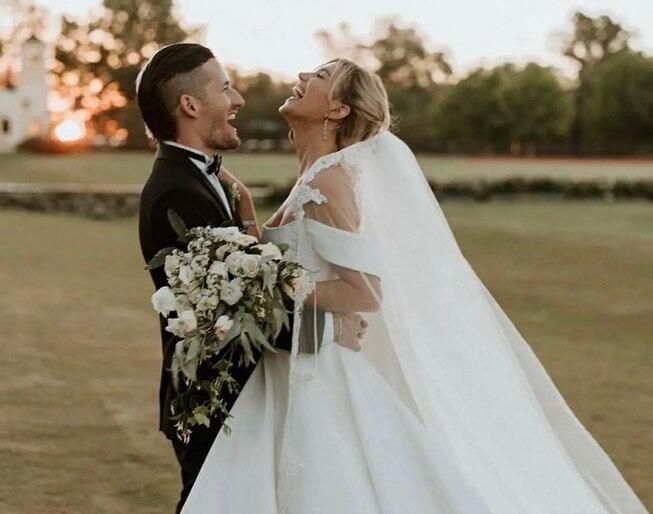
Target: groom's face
222,103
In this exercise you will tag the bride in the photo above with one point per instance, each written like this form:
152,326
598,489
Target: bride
445,409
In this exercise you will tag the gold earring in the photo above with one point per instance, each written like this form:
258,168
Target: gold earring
325,129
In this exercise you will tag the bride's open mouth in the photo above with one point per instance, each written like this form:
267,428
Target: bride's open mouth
298,92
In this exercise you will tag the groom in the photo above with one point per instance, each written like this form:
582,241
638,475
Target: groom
186,102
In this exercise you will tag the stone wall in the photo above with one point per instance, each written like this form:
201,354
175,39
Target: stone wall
114,201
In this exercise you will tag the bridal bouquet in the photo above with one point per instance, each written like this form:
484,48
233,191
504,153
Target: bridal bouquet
228,295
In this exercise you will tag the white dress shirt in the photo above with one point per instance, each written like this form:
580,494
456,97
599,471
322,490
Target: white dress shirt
203,161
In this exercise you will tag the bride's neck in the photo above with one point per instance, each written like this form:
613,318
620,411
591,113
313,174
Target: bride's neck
310,146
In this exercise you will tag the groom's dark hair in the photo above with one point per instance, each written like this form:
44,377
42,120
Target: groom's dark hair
163,79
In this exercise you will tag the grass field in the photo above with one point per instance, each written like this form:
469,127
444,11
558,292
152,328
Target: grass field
81,354
133,168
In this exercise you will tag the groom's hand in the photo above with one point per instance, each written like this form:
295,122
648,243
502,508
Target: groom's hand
349,330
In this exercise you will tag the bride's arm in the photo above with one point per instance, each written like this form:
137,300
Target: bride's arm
246,208
353,290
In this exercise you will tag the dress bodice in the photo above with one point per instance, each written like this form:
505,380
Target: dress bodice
289,234
314,244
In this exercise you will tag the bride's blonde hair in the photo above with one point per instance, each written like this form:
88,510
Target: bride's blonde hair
365,94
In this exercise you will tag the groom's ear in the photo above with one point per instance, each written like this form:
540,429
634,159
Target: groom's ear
189,106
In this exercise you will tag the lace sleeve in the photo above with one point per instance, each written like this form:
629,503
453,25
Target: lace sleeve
333,222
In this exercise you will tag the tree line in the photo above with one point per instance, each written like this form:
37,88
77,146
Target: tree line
508,109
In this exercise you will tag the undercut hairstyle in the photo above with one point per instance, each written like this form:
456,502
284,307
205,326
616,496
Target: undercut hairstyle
173,71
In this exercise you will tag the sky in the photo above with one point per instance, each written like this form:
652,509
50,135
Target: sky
278,35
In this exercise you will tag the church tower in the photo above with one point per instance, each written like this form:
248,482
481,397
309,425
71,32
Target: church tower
33,89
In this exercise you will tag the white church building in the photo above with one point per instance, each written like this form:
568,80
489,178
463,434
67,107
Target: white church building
24,106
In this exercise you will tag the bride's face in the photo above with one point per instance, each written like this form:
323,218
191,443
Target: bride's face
310,98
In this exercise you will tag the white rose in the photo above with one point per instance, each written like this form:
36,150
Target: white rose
164,301
174,327
228,234
221,251
188,322
233,262
231,291
186,274
270,250
171,265
218,268
245,239
249,265
222,326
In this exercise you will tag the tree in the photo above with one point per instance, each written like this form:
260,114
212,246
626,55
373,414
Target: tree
591,41
403,59
618,115
411,72
504,109
260,119
97,62
539,110
473,116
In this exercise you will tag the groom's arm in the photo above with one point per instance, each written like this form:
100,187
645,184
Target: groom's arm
195,211
316,327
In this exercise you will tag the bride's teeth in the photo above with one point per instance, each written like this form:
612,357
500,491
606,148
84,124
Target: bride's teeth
232,116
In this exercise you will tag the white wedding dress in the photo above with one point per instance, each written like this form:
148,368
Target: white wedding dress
445,410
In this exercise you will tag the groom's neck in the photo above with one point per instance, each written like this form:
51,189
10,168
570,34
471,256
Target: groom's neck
193,140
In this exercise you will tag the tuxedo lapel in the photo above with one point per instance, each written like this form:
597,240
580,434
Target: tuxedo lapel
233,202
182,157
207,184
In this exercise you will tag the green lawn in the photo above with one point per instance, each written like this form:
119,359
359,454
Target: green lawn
133,167
81,354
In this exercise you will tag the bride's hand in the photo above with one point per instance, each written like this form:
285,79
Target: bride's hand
246,208
349,330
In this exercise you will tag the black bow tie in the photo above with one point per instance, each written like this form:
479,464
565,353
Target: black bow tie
214,167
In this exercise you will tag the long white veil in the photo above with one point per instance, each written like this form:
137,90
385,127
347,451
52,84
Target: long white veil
441,341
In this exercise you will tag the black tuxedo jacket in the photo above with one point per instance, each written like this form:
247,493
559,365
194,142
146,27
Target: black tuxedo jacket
176,183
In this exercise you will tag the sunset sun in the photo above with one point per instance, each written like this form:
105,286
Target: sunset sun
69,131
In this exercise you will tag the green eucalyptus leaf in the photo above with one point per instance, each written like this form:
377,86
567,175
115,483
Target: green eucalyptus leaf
263,340
234,332
174,370
189,368
159,258
223,365
178,225
193,349
247,347
202,419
